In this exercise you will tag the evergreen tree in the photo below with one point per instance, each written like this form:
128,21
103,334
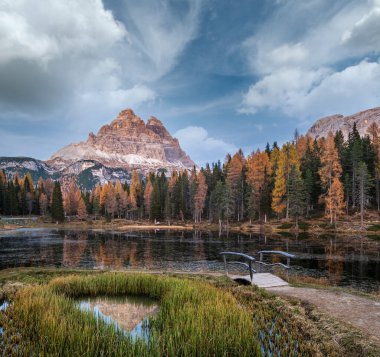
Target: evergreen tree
297,194
57,213
155,206
364,183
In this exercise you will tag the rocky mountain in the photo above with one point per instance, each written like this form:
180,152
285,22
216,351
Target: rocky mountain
22,165
127,142
336,122
87,172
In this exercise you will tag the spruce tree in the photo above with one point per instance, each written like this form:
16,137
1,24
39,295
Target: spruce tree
296,194
57,213
364,183
155,206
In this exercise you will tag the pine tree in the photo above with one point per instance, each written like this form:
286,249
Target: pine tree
297,194
148,196
235,181
310,166
200,197
258,173
155,206
57,213
364,182
43,204
374,133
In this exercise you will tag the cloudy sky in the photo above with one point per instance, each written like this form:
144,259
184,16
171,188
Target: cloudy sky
220,74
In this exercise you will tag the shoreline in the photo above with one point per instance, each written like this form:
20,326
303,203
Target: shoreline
273,227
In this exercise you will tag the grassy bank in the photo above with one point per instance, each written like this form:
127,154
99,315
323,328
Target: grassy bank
317,225
199,315
193,316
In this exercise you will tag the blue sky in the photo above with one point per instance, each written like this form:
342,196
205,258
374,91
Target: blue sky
220,74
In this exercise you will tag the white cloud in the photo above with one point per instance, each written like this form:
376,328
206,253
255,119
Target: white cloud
160,33
44,31
283,90
322,68
201,147
55,54
304,94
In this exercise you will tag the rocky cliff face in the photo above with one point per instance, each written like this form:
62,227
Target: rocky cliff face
127,142
333,123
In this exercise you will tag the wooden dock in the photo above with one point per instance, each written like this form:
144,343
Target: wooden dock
262,280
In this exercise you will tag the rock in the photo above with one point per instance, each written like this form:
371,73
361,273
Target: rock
336,122
127,142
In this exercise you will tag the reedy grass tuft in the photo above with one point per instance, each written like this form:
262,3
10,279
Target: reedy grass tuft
194,318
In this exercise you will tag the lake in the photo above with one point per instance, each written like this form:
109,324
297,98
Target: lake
345,261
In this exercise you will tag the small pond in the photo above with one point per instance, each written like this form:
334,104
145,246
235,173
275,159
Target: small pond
129,314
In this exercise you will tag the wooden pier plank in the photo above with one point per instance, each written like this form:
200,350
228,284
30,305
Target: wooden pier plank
262,280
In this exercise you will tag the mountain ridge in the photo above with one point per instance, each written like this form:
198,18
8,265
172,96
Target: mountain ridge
124,145
333,123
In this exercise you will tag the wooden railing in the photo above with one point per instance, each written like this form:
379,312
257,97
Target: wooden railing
250,261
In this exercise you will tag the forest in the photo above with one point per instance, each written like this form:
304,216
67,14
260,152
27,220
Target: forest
330,176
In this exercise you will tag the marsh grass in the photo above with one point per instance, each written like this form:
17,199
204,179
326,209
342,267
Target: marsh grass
194,318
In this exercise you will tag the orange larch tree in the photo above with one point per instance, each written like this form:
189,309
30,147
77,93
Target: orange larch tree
258,169
330,174
200,197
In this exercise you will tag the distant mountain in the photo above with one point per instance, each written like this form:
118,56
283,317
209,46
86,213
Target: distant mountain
336,122
87,172
126,144
37,168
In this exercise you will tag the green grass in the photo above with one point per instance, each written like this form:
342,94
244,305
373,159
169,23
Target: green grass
199,315
303,225
286,225
374,228
194,318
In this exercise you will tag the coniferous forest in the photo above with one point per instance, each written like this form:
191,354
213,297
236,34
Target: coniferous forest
330,176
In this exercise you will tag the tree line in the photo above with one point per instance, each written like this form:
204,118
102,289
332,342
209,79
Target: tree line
305,176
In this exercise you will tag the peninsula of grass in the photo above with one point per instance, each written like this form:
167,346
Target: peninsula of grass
198,316
194,317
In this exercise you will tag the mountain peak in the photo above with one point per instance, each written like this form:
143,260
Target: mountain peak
336,122
129,143
154,121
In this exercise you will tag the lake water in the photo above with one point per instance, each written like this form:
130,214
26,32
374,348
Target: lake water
128,314
353,260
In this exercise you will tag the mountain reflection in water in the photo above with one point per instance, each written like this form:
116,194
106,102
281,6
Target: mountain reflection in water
342,260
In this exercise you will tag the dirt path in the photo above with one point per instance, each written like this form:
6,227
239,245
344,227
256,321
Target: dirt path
361,312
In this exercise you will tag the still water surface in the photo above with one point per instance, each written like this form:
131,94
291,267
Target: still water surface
127,314
353,261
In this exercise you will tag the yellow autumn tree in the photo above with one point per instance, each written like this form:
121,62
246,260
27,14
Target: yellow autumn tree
71,198
287,159
82,209
335,200
103,195
148,196
134,191
330,173
258,169
200,197
235,181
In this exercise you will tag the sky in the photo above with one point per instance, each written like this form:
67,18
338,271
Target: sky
220,74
